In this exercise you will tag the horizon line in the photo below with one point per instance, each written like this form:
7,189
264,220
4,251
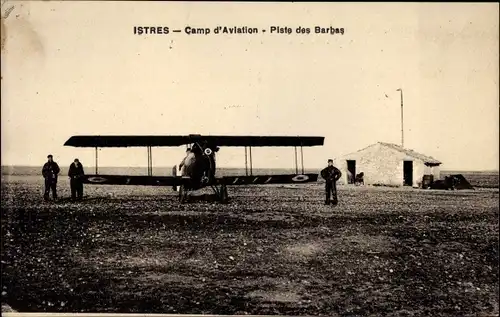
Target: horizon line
242,167
159,166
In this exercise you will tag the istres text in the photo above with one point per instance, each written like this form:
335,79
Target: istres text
234,30
140,30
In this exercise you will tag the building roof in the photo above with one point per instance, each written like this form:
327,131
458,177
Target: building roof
422,157
426,159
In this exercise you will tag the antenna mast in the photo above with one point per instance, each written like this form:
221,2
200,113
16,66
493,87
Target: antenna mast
402,129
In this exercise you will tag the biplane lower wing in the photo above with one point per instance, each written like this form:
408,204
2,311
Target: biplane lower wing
133,180
268,179
177,181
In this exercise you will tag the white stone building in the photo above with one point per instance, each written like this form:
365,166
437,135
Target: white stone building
387,164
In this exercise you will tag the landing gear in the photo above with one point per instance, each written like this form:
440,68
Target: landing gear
221,193
182,193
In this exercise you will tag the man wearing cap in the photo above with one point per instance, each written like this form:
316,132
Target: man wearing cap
50,172
331,175
76,174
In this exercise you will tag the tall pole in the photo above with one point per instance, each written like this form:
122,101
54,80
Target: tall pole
402,129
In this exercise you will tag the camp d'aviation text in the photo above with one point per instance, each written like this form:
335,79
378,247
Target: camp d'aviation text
189,30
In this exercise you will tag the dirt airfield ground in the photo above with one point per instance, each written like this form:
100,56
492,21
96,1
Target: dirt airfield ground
271,250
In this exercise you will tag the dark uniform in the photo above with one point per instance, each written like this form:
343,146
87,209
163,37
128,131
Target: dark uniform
75,174
50,172
331,174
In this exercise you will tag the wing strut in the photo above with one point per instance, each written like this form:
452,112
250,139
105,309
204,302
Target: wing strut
246,162
250,148
96,160
296,164
302,158
150,161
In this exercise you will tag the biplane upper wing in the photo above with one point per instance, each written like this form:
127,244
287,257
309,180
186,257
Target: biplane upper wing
126,140
177,140
262,140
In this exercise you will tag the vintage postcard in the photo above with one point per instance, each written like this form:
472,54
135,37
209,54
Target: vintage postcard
250,158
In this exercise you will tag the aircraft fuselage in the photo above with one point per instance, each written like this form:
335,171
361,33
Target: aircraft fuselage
199,165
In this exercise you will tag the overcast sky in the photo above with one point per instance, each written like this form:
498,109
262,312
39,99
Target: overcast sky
74,68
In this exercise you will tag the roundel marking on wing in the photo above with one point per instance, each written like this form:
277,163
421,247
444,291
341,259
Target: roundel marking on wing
97,179
208,151
300,178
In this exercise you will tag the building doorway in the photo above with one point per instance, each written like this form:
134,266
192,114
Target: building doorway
351,168
408,173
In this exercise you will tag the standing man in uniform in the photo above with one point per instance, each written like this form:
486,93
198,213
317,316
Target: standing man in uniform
76,174
50,171
331,175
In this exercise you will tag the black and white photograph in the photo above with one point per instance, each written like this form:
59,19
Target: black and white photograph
249,158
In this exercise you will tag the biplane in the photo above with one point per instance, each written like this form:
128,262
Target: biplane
199,171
